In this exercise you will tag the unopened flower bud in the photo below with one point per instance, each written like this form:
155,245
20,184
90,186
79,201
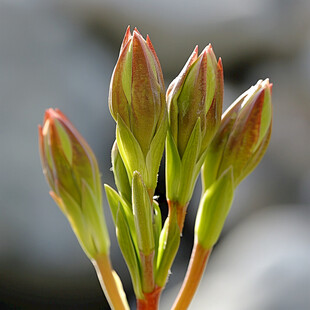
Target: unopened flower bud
72,172
137,103
196,93
194,101
243,136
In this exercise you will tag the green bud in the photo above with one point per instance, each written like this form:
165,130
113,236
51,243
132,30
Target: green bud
142,211
194,101
213,210
72,172
137,100
196,93
243,136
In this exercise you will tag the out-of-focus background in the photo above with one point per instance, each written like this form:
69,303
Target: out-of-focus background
62,53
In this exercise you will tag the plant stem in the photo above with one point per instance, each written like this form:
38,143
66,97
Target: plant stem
112,290
147,263
151,300
198,261
180,210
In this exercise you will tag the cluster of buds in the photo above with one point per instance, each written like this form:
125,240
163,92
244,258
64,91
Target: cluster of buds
240,143
225,149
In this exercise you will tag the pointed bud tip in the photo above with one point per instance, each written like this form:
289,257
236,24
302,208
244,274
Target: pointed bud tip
196,50
126,39
137,32
220,63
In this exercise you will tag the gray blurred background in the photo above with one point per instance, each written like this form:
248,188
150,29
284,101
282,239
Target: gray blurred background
62,53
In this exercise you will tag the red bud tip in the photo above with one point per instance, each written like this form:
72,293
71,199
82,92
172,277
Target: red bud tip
137,31
126,38
196,50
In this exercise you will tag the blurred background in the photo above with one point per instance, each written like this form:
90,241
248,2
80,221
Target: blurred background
62,53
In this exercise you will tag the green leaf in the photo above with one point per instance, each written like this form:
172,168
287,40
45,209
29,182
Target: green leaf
114,199
155,153
157,226
168,246
188,165
75,217
142,211
94,217
213,210
120,174
130,150
173,168
127,247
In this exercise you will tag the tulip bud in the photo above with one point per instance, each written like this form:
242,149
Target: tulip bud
137,103
243,136
72,172
194,101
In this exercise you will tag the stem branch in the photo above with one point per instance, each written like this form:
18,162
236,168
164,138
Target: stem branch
151,300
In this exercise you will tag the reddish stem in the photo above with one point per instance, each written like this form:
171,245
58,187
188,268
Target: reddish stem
151,300
181,212
198,261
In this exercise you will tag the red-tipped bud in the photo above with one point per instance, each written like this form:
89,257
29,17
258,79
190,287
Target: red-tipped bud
137,92
72,172
243,136
196,93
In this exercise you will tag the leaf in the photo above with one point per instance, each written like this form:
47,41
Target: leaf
127,247
188,165
213,210
94,217
173,168
168,246
142,212
130,150
155,153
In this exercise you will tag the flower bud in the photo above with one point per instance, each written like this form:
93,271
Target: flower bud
196,93
72,172
194,101
137,103
243,136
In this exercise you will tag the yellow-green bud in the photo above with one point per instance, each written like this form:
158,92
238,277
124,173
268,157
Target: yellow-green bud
72,172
